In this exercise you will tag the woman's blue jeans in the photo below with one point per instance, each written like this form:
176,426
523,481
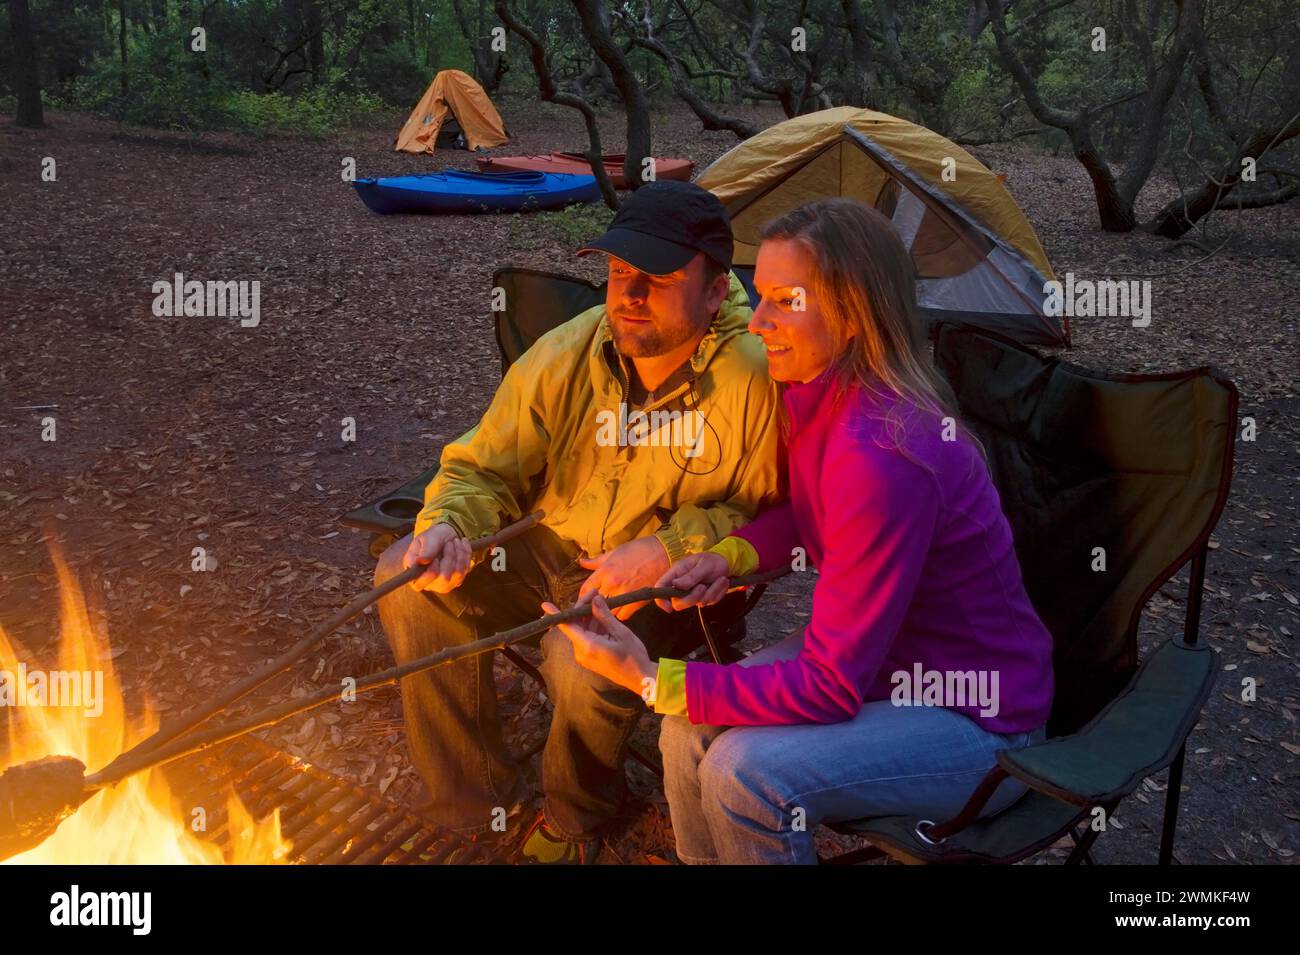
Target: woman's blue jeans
755,794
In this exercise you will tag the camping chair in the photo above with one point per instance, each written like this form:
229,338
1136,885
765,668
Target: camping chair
1139,466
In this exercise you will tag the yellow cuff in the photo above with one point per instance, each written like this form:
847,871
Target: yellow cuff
429,516
670,687
739,554
672,542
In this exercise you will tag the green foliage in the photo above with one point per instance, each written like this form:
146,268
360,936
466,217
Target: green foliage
165,86
260,71
566,228
576,224
317,112
389,69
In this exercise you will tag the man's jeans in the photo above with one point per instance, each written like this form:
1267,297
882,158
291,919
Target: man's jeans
452,727
754,794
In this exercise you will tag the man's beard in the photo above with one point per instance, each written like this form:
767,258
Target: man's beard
648,340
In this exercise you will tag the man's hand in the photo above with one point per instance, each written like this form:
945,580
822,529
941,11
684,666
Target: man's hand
638,563
704,575
604,646
447,554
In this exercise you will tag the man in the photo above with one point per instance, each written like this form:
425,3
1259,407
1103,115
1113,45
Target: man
646,429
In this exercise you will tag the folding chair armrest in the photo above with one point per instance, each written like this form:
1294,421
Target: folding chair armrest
1139,733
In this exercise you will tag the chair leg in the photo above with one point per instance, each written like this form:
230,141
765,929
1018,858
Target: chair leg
518,660
1191,634
1082,846
1087,856
1172,797
645,761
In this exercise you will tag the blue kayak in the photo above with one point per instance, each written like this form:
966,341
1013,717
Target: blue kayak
457,191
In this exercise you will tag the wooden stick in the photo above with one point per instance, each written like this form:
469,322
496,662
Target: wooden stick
133,761
304,646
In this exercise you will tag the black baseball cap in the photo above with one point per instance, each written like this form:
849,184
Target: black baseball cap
663,225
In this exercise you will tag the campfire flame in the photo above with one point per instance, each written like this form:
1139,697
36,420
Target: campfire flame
138,821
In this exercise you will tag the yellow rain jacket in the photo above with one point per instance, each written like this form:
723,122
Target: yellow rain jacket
605,479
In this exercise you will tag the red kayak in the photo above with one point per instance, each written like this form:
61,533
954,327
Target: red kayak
576,163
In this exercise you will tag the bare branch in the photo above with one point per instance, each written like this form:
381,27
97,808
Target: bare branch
1180,215
709,117
553,94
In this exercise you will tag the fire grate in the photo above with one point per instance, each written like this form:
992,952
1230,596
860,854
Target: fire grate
328,820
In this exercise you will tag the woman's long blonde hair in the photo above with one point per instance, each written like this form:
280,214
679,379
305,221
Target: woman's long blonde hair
865,287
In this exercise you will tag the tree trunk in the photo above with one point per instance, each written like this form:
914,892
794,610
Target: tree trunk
410,26
1141,155
27,80
1113,212
65,59
316,43
859,65
595,26
489,66
480,74
121,40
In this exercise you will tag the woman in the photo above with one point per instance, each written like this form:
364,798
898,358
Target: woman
923,656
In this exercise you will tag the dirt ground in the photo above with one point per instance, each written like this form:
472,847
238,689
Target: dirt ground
175,433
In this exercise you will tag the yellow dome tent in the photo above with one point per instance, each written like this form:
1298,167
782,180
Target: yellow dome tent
977,257
455,94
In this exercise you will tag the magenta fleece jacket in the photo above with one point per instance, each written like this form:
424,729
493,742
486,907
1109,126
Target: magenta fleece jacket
917,576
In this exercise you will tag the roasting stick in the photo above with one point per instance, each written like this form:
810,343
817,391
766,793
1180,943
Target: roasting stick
166,734
36,796
135,760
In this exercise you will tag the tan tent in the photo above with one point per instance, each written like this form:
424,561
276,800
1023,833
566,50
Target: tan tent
452,94
977,257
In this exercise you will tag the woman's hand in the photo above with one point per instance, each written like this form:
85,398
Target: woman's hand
603,645
704,575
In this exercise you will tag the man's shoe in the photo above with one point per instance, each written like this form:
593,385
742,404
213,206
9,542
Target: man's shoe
496,842
540,846
462,854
